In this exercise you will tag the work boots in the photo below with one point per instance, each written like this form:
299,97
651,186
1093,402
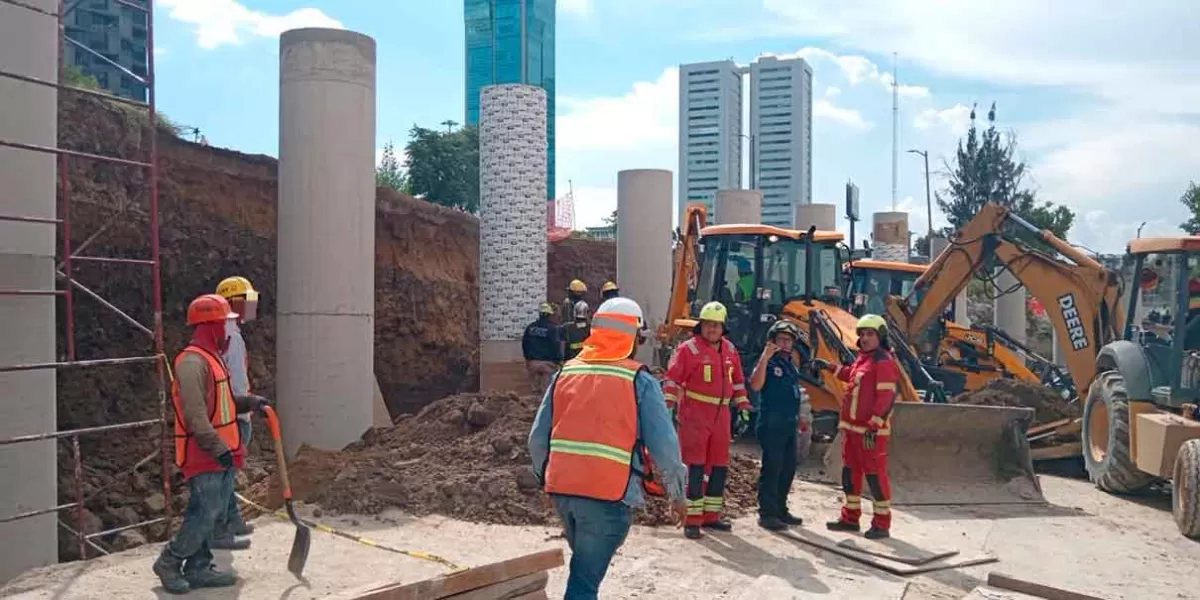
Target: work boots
242,528
719,525
772,523
876,533
228,542
170,574
692,532
840,525
790,519
210,577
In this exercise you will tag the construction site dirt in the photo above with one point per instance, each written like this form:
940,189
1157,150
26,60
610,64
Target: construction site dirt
218,219
1046,404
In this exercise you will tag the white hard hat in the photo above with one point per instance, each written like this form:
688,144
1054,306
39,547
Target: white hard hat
621,306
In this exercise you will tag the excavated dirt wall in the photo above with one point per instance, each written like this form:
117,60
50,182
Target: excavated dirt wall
217,215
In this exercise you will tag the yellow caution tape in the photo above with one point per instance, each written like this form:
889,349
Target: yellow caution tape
454,568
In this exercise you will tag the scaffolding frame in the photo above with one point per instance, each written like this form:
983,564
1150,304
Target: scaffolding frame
63,274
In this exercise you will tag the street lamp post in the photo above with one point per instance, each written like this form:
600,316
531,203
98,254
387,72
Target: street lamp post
928,199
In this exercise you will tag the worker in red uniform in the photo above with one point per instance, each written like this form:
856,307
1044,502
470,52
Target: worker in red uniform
702,380
865,424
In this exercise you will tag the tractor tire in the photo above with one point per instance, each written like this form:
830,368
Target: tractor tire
1106,451
1185,489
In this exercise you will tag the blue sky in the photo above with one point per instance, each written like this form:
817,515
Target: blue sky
1106,104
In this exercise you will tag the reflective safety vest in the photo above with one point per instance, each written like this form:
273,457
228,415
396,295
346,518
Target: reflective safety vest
594,430
222,413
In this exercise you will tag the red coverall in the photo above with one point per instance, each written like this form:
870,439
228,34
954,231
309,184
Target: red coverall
867,407
701,381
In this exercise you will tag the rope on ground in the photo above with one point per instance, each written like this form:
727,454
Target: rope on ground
454,568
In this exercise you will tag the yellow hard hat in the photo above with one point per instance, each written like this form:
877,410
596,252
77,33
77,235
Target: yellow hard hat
713,311
577,286
609,287
546,309
875,322
237,286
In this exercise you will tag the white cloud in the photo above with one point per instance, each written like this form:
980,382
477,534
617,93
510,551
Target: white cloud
956,119
832,91
859,69
577,8
849,117
647,114
594,204
228,22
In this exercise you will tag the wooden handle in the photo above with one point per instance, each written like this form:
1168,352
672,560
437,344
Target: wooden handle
280,459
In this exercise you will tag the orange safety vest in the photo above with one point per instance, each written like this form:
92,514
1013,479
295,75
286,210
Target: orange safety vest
594,430
222,412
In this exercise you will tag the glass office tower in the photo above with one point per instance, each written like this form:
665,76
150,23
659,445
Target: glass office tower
511,41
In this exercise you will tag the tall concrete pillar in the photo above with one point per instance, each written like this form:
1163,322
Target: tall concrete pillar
28,46
824,216
936,246
644,245
890,236
325,325
512,228
739,206
1010,309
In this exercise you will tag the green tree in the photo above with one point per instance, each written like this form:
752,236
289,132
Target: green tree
73,75
987,169
390,173
1191,199
443,166
611,221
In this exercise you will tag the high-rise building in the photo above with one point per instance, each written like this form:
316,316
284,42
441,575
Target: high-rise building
511,41
781,136
114,36
710,131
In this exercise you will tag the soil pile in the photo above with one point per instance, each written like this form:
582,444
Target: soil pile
463,456
1047,405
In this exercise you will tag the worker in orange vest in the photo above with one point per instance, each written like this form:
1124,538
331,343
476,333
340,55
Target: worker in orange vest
703,378
243,300
208,446
602,422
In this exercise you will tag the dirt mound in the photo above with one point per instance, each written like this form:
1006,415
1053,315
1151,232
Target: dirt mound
463,456
1047,405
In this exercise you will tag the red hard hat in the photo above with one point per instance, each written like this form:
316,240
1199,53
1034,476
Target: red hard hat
209,308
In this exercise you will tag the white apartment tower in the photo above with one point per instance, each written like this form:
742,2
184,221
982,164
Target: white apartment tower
710,131
781,136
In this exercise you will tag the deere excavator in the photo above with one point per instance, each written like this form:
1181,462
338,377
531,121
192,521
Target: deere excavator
962,357
1136,351
941,453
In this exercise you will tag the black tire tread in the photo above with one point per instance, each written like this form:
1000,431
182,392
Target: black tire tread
1117,473
1186,474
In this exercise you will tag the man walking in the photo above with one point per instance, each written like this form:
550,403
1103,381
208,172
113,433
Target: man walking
243,300
865,424
208,447
603,412
542,346
703,378
777,380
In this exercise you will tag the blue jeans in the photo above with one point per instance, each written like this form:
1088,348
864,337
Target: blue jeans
208,497
233,515
595,529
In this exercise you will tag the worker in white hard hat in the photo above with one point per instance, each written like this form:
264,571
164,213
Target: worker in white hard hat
602,422
577,331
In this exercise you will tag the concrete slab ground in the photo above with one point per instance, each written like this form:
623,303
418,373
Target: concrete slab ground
1085,541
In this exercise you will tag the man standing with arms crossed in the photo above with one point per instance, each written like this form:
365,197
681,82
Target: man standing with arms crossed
600,417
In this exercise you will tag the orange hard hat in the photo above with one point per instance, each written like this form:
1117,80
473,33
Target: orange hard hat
209,308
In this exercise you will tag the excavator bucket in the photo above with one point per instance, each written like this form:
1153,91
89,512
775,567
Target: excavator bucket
955,454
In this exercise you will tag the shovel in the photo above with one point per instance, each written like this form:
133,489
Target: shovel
303,539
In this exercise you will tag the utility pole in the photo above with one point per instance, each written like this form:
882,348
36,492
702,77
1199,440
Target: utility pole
928,199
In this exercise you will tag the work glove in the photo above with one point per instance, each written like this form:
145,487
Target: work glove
225,459
869,440
742,423
261,404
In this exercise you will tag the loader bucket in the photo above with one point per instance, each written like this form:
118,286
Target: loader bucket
955,454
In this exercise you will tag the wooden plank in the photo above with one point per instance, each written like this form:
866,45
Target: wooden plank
883,564
1005,582
1047,427
924,556
1068,450
471,579
513,588
538,595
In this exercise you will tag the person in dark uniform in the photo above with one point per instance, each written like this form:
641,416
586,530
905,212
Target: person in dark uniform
776,378
542,347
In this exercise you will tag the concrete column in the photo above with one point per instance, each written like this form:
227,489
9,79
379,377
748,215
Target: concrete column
936,246
824,216
325,338
890,236
644,245
738,206
1010,308
512,228
28,46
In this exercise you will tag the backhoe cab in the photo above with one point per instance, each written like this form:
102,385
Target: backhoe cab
1140,420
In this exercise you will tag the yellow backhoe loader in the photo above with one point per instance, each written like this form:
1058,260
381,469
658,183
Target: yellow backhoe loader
942,453
1137,355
